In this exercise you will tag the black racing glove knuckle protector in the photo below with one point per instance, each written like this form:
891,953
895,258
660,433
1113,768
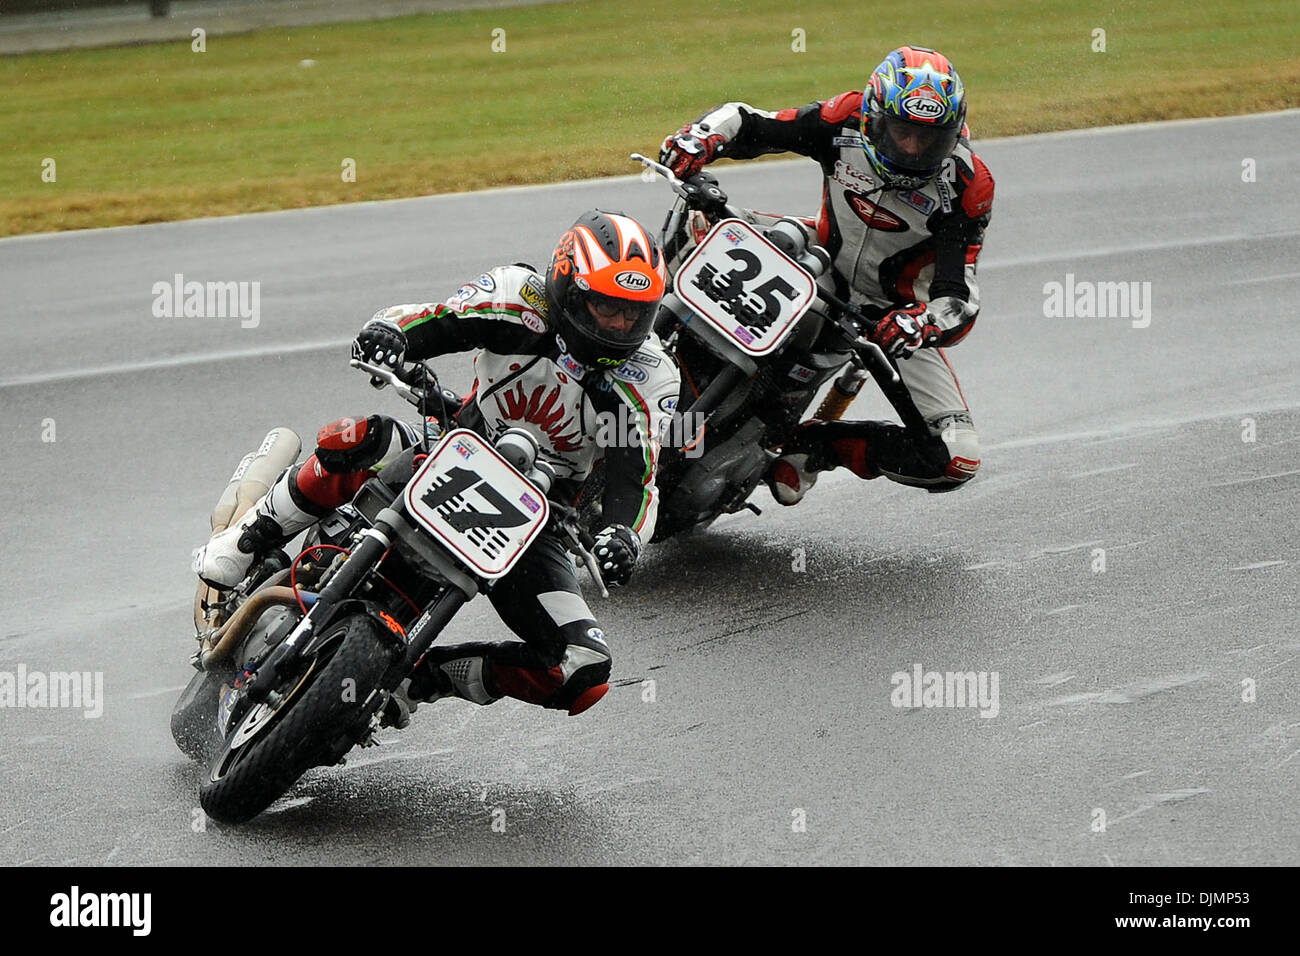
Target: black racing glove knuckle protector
380,342
616,552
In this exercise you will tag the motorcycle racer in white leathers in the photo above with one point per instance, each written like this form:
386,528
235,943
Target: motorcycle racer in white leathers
569,356
905,203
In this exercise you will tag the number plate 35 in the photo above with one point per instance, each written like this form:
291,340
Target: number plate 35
469,498
744,286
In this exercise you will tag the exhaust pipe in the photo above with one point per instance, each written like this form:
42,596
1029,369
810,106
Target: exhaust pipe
227,637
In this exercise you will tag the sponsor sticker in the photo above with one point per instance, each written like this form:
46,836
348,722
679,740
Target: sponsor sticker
534,297
532,320
571,365
918,201
632,281
668,404
645,358
463,449
855,140
485,282
462,295
731,236
801,374
945,197
743,334
630,373
924,104
873,215
529,502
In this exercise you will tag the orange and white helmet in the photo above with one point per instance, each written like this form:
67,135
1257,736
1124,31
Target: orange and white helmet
604,284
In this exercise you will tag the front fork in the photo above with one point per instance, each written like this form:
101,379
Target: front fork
363,559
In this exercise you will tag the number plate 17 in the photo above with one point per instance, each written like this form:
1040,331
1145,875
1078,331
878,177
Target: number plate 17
470,498
744,286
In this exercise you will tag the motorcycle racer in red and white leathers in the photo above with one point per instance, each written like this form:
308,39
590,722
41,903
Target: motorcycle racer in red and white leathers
569,356
905,203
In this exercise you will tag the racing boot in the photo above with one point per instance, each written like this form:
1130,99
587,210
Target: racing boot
269,524
815,447
438,675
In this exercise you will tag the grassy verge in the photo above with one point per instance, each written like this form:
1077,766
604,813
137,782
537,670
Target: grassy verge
423,104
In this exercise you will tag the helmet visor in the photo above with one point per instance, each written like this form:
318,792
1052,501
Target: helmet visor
618,322
913,146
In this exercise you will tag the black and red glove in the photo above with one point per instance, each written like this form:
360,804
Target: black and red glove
690,149
903,331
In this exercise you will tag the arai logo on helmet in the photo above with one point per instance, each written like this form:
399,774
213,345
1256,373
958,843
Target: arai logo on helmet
632,281
924,105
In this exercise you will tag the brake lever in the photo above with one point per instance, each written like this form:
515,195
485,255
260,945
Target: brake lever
677,185
581,543
387,376
588,561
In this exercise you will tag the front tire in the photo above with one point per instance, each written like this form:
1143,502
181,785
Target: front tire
318,720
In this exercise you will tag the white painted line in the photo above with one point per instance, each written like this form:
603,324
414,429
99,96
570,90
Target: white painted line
1069,547
175,361
1130,249
1276,278
1105,471
1247,481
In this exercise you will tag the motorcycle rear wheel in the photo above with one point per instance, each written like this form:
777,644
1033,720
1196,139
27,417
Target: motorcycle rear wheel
317,721
194,717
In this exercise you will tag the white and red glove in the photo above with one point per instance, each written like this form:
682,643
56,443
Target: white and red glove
690,149
903,331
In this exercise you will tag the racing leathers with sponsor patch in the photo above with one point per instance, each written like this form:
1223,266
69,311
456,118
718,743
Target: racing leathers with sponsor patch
904,245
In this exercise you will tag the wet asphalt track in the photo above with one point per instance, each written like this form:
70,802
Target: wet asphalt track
1119,691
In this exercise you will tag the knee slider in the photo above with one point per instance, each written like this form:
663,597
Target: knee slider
352,444
585,666
960,451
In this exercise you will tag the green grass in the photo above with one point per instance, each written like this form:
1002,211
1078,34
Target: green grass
151,133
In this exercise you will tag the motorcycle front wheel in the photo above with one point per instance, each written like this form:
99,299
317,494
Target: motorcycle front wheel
316,720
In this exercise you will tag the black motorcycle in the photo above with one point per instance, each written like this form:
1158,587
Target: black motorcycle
297,662
755,335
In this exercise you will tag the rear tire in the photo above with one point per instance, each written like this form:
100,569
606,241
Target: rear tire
319,720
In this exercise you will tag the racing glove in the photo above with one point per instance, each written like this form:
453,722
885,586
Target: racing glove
616,551
903,331
380,342
690,149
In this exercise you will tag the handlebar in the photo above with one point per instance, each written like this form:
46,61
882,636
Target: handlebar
708,197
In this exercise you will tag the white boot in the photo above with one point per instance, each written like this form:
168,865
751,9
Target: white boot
273,520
